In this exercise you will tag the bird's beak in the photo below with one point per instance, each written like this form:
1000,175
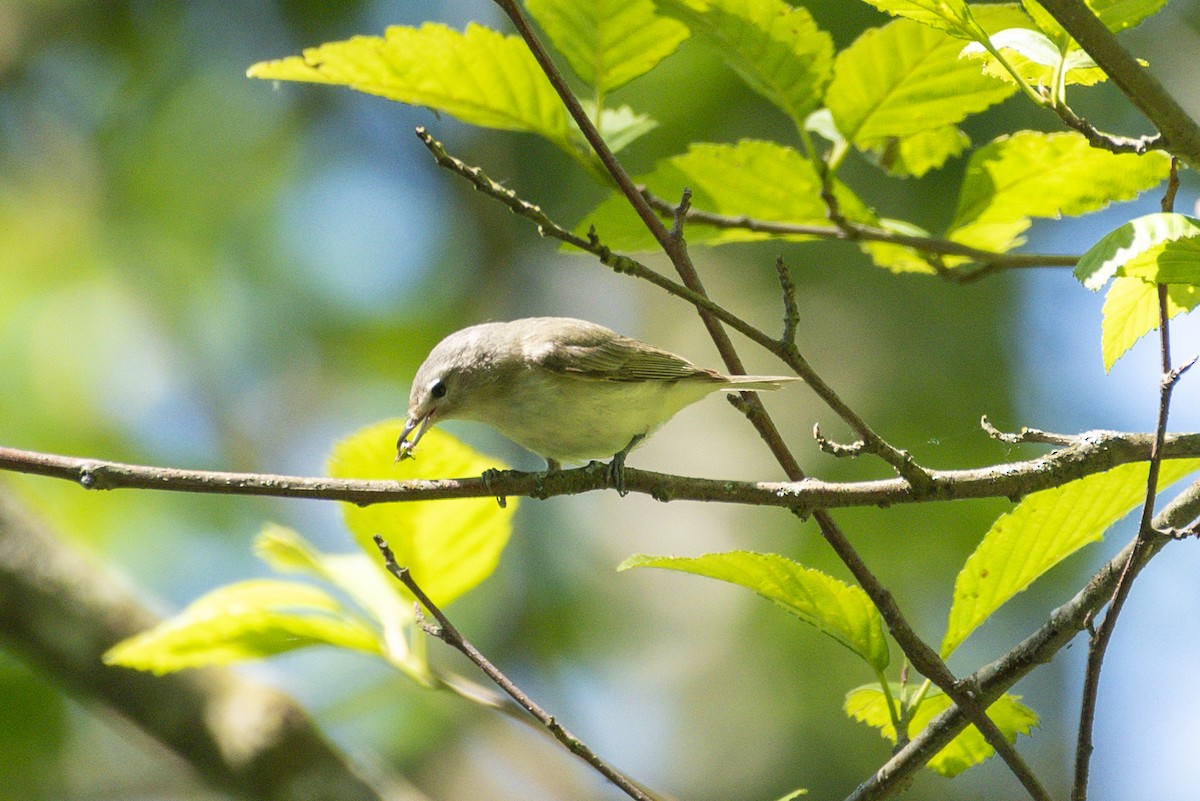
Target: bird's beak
404,447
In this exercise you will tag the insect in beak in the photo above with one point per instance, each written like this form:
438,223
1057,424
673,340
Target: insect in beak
404,447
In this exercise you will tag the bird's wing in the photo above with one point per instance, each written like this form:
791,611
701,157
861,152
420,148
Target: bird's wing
619,359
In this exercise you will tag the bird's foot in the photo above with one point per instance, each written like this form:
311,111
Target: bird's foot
616,468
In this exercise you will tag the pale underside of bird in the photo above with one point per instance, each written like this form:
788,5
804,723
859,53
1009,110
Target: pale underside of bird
565,389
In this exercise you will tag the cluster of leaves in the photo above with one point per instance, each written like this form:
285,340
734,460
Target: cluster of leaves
451,545
897,96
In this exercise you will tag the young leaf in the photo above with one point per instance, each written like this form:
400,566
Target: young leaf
757,179
608,42
619,127
952,16
356,574
449,545
1036,58
479,76
1131,312
838,609
1030,174
903,79
1045,528
1139,241
243,621
777,48
918,154
868,705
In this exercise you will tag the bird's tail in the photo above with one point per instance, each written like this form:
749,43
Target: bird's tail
739,383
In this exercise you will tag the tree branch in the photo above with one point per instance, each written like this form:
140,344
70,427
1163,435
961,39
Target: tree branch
1091,452
449,634
998,677
61,612
1180,131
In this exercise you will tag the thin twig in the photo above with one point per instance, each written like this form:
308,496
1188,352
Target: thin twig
1026,434
1090,453
791,311
854,232
447,633
1100,641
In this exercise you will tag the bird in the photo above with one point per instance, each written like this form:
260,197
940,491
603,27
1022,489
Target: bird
568,390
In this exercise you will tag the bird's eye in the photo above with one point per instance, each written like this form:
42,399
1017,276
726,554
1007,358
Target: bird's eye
438,390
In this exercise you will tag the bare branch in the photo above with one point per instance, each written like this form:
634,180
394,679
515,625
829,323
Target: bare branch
449,634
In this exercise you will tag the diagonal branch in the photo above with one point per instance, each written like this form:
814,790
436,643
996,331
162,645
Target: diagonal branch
1180,131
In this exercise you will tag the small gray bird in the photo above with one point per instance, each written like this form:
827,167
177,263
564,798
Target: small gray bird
566,389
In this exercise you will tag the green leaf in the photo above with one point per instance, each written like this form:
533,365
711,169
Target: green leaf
953,16
1030,174
356,574
1045,528
1117,15
243,621
899,258
479,76
449,545
918,154
619,127
868,705
776,48
608,42
1173,262
1036,58
758,179
1131,312
837,609
1138,241
903,79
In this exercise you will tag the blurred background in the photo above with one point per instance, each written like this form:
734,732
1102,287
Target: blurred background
201,270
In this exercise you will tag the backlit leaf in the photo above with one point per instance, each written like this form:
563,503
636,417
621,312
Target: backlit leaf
1138,241
868,705
608,42
837,609
1030,174
953,16
449,545
479,76
763,180
1045,528
777,48
1036,59
903,79
244,621
1131,312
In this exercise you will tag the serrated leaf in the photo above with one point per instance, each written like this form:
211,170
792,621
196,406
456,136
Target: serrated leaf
763,180
1173,262
608,42
449,545
776,48
620,127
903,79
244,621
842,611
913,156
952,16
1045,528
479,76
1036,59
356,574
868,705
1131,312
1138,238
1029,174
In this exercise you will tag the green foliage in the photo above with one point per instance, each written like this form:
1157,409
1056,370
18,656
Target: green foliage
953,16
1131,312
1044,529
479,76
837,609
776,48
758,179
1036,59
1024,175
246,620
869,705
905,79
610,42
448,546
